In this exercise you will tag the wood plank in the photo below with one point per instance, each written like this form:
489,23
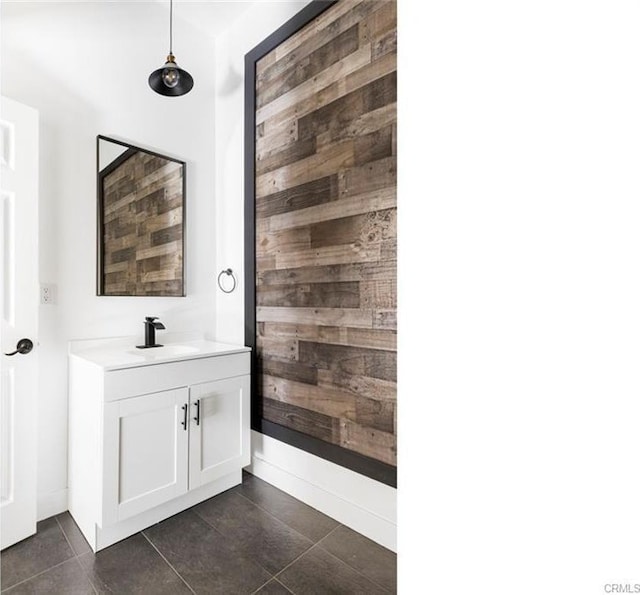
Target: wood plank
323,163
169,288
157,263
164,275
371,199
288,370
349,360
343,254
330,402
337,114
370,227
373,146
300,419
372,413
276,133
379,22
370,72
265,62
372,338
315,29
366,386
320,316
168,248
306,195
379,294
385,319
325,274
166,235
116,267
328,295
265,262
366,123
351,63
306,43
385,43
374,176
381,92
332,52
355,337
368,441
286,349
284,115
276,157
284,240
332,116
164,220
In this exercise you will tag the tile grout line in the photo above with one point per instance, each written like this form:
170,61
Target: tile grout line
76,556
344,561
280,520
213,528
66,537
355,569
262,585
167,562
287,524
294,498
292,563
283,585
273,578
330,532
38,574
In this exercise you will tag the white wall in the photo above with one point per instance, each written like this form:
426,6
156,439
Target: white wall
84,66
357,501
257,23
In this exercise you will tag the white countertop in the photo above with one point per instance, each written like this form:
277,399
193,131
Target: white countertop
119,353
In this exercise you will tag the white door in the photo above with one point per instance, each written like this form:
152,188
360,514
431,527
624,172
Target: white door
145,452
219,429
19,306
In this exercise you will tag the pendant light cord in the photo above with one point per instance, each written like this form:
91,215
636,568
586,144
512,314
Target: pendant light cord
171,26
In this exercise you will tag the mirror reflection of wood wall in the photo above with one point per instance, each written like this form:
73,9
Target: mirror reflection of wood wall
141,202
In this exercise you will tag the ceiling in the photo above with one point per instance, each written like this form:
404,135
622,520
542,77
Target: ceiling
211,17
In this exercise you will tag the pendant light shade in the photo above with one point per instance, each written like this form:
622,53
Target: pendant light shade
170,79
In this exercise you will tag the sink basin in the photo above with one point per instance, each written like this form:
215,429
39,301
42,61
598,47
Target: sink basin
120,352
164,351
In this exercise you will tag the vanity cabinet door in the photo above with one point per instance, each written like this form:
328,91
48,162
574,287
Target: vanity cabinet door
219,442
145,452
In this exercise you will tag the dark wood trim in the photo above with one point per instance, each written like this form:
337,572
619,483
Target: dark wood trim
372,468
132,150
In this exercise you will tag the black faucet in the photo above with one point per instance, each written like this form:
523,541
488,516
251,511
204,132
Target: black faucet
150,326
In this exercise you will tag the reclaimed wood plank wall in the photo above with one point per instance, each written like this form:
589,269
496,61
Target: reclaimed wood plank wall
326,229
143,227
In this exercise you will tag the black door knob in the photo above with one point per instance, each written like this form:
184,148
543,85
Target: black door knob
24,346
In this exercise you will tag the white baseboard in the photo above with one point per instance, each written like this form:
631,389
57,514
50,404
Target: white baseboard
52,503
363,504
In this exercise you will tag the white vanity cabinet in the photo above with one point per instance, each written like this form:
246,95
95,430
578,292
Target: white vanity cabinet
153,433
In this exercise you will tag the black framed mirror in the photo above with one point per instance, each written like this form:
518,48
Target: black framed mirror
141,221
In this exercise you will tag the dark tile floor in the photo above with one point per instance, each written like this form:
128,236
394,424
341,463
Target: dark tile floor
253,538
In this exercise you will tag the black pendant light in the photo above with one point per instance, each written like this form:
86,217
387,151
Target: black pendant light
171,80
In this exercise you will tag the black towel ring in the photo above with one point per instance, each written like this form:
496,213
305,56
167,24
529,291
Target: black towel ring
230,273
